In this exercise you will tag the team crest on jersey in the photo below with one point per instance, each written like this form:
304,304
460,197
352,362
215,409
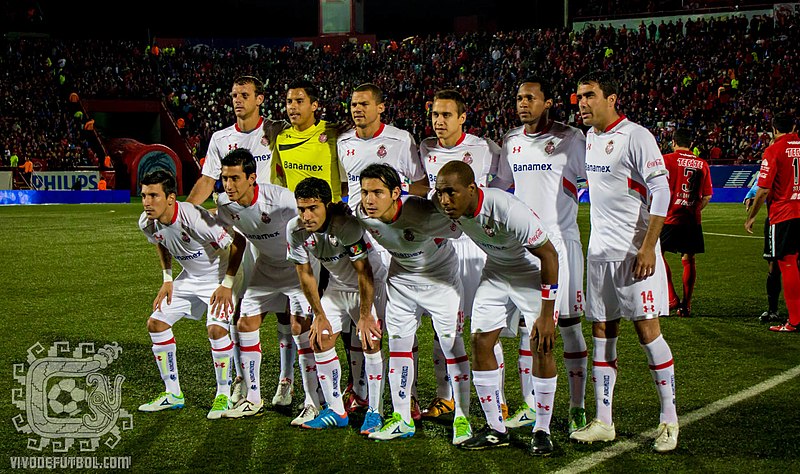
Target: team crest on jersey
185,237
333,240
550,147
489,230
381,151
467,158
408,235
323,138
265,218
609,147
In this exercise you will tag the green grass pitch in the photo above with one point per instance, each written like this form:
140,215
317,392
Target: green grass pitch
85,273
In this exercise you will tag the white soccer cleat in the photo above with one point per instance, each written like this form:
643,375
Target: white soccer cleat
238,391
164,401
667,438
394,428
245,408
283,394
308,413
525,416
596,430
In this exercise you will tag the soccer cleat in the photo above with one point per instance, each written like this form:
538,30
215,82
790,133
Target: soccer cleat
504,410
577,419
372,422
351,401
541,445
327,419
221,403
667,438
238,391
164,401
684,312
462,430
245,408
283,394
596,430
308,413
393,428
416,414
785,327
770,317
485,438
525,416
438,407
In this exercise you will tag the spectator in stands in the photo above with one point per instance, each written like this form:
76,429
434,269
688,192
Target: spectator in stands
102,185
27,170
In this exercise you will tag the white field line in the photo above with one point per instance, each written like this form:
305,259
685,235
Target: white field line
734,235
591,461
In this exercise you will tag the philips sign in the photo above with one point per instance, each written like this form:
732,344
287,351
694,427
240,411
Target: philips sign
65,180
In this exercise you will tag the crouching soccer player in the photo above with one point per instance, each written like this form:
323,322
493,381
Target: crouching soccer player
357,276
260,212
191,235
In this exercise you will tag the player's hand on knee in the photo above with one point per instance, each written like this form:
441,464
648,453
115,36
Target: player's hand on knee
222,301
164,292
543,334
369,332
321,330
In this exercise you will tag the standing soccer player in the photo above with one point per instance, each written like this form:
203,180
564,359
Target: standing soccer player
423,276
448,114
308,148
372,141
544,160
260,212
357,282
773,270
521,270
191,235
779,185
690,187
629,194
257,134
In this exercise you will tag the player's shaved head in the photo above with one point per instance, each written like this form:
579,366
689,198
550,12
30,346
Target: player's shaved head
460,170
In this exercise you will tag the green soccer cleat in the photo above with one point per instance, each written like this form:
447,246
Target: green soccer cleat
577,419
525,416
221,404
462,430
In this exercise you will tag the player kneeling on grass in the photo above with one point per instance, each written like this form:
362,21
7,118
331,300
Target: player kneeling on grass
328,232
204,248
260,212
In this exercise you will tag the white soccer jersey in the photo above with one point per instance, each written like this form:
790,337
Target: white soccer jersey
619,162
389,145
342,241
417,239
263,222
228,139
545,168
481,154
194,239
504,227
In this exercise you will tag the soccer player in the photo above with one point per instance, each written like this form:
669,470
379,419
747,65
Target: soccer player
773,270
544,160
191,235
521,270
448,114
423,276
629,194
357,279
779,185
308,148
255,133
372,141
690,187
260,212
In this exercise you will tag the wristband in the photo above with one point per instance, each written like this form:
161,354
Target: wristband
227,282
549,292
167,275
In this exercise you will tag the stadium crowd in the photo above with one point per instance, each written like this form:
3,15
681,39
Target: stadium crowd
721,78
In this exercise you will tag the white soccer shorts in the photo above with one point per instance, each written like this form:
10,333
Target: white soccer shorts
341,307
190,299
405,304
470,265
500,291
271,288
570,299
613,292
